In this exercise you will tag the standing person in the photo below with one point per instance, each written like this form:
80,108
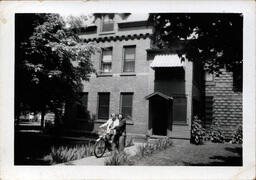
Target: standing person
121,132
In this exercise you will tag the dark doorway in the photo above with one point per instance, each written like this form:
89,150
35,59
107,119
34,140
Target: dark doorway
159,116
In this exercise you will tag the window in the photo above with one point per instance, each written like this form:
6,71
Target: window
103,105
129,59
107,23
82,106
106,63
126,104
180,110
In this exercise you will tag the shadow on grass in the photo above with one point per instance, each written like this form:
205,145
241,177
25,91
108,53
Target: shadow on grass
235,160
30,148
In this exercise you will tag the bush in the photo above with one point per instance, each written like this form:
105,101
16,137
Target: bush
237,137
197,131
118,159
214,135
64,154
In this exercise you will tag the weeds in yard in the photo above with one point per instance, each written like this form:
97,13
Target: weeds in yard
64,154
143,150
149,148
118,159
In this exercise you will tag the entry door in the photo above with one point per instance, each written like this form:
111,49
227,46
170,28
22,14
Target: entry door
159,116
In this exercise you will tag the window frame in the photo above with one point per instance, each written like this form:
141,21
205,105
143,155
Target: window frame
101,61
98,105
102,23
123,61
121,103
186,118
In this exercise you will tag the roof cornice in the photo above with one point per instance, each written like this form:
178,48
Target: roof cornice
118,37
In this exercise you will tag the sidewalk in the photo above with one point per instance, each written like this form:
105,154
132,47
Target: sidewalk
93,161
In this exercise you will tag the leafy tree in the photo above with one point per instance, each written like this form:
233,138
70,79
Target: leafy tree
214,39
51,64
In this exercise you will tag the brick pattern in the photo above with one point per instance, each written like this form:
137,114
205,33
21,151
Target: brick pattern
226,104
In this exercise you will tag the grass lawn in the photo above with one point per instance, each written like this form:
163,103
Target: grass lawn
182,153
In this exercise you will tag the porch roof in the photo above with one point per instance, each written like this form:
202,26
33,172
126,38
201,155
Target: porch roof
159,94
167,60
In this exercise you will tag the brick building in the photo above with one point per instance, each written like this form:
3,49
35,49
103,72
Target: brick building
157,92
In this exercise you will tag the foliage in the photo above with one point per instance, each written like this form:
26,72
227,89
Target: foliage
215,135
197,131
149,148
214,39
237,137
142,151
64,154
51,63
129,142
118,159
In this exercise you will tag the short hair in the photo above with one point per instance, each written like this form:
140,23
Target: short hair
121,115
113,115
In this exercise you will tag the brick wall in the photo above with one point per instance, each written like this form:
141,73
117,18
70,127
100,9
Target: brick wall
223,105
139,83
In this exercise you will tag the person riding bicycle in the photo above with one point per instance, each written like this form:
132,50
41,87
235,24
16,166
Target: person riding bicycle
111,124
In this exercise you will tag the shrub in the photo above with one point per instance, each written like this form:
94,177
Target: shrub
64,154
197,131
237,137
216,136
118,159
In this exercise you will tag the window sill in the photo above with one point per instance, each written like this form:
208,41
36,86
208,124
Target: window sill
180,124
104,75
130,122
128,74
106,33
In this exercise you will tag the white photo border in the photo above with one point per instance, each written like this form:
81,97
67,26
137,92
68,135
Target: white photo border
7,14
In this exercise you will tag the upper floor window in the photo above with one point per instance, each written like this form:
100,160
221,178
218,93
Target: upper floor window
107,23
106,62
129,59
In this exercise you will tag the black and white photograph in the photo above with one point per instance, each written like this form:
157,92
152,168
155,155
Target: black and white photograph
137,89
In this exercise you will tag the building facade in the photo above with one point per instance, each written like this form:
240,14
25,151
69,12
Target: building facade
157,93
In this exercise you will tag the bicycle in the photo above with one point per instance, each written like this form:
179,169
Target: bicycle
102,144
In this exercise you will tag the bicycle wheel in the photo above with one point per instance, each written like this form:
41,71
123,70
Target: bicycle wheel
99,148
